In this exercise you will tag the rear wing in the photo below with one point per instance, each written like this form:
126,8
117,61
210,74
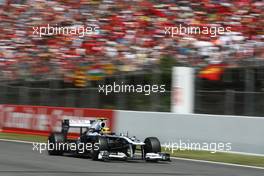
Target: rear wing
80,123
67,123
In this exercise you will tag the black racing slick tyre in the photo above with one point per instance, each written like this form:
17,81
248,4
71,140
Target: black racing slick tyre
100,144
56,143
152,145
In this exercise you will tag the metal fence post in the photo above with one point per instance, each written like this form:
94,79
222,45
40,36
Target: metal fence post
43,97
121,99
249,87
155,97
23,95
197,101
3,94
70,98
229,102
94,99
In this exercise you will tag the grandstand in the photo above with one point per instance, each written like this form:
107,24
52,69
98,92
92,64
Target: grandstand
130,46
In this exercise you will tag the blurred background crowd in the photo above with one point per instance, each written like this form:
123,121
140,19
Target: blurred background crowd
131,35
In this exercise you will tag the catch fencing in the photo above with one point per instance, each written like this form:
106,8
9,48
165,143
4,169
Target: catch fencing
227,102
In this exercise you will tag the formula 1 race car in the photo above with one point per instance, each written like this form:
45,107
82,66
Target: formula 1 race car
101,144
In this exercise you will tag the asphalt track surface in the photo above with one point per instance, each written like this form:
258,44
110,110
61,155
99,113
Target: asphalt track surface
18,159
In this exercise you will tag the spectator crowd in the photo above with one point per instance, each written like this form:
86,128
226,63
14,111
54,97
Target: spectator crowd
131,34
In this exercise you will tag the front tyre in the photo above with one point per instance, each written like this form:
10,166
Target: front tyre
152,145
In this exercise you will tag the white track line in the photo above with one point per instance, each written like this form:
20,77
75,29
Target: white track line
219,163
176,158
228,152
17,141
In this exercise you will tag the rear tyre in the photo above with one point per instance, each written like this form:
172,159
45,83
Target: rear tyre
152,145
100,144
56,142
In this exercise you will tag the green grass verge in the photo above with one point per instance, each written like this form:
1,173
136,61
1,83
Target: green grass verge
23,137
199,155
220,157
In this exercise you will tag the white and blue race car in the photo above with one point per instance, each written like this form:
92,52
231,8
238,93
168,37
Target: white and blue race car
100,144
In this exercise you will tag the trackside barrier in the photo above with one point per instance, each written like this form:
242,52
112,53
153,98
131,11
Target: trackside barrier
244,133
41,120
